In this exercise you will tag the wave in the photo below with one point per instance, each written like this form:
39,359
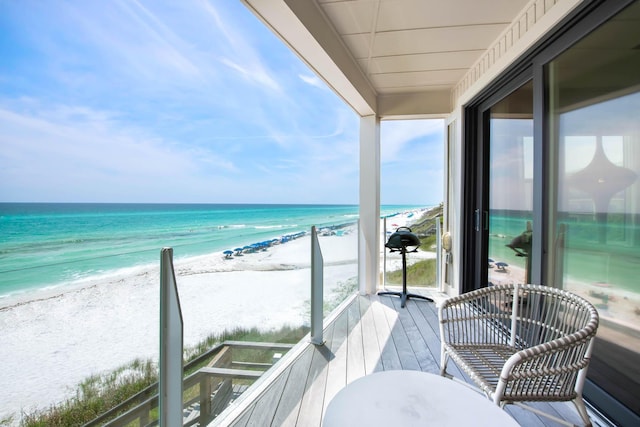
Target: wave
232,226
79,241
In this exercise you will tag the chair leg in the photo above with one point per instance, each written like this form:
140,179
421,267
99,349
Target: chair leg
582,410
444,358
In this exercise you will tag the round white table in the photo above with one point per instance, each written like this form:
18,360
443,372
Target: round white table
412,398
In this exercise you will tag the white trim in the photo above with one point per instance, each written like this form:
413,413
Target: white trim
535,20
369,244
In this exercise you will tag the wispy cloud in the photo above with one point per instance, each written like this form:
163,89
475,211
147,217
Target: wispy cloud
170,101
312,80
412,155
260,78
398,134
78,151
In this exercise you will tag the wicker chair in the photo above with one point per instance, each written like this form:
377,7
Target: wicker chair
521,343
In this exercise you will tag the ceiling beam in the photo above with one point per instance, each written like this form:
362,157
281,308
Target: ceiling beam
426,104
303,27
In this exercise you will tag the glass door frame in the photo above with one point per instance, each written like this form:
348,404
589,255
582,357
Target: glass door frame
476,184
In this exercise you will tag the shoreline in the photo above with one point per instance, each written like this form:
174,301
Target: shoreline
55,338
49,345
54,290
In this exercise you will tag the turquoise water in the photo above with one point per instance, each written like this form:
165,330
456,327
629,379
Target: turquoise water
45,244
594,249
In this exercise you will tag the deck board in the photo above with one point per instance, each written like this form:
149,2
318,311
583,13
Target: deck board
337,368
371,347
418,325
372,333
407,356
388,352
417,343
355,345
310,414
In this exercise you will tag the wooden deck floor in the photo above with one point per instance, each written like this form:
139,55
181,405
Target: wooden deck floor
369,334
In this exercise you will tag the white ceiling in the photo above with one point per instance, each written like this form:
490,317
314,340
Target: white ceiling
377,53
418,45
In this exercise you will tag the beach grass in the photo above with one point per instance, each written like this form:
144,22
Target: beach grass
425,227
95,395
339,293
421,273
99,393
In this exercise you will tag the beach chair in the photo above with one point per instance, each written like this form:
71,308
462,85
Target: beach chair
521,343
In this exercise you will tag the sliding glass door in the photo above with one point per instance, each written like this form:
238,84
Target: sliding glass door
510,180
594,221
552,186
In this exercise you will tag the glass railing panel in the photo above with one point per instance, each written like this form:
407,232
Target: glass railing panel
73,329
339,246
421,265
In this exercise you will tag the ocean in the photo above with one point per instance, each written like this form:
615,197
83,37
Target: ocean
52,244
593,249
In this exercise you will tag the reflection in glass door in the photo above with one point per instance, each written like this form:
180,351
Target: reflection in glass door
510,188
594,221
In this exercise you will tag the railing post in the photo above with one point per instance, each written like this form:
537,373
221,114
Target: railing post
144,416
206,390
317,291
171,341
384,253
439,254
362,261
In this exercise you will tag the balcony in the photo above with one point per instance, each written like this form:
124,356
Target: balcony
366,334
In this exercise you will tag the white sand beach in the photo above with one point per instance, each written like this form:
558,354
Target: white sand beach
52,340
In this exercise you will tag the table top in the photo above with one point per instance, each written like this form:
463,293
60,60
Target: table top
412,398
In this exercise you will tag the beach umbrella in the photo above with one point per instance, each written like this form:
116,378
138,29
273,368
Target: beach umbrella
501,265
228,253
238,251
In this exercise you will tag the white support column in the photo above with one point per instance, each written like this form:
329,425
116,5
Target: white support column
369,245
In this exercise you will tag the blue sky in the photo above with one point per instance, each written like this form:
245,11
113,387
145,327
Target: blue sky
192,101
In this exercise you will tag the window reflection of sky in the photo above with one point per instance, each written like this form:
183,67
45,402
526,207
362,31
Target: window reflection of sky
614,124
511,164
613,119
